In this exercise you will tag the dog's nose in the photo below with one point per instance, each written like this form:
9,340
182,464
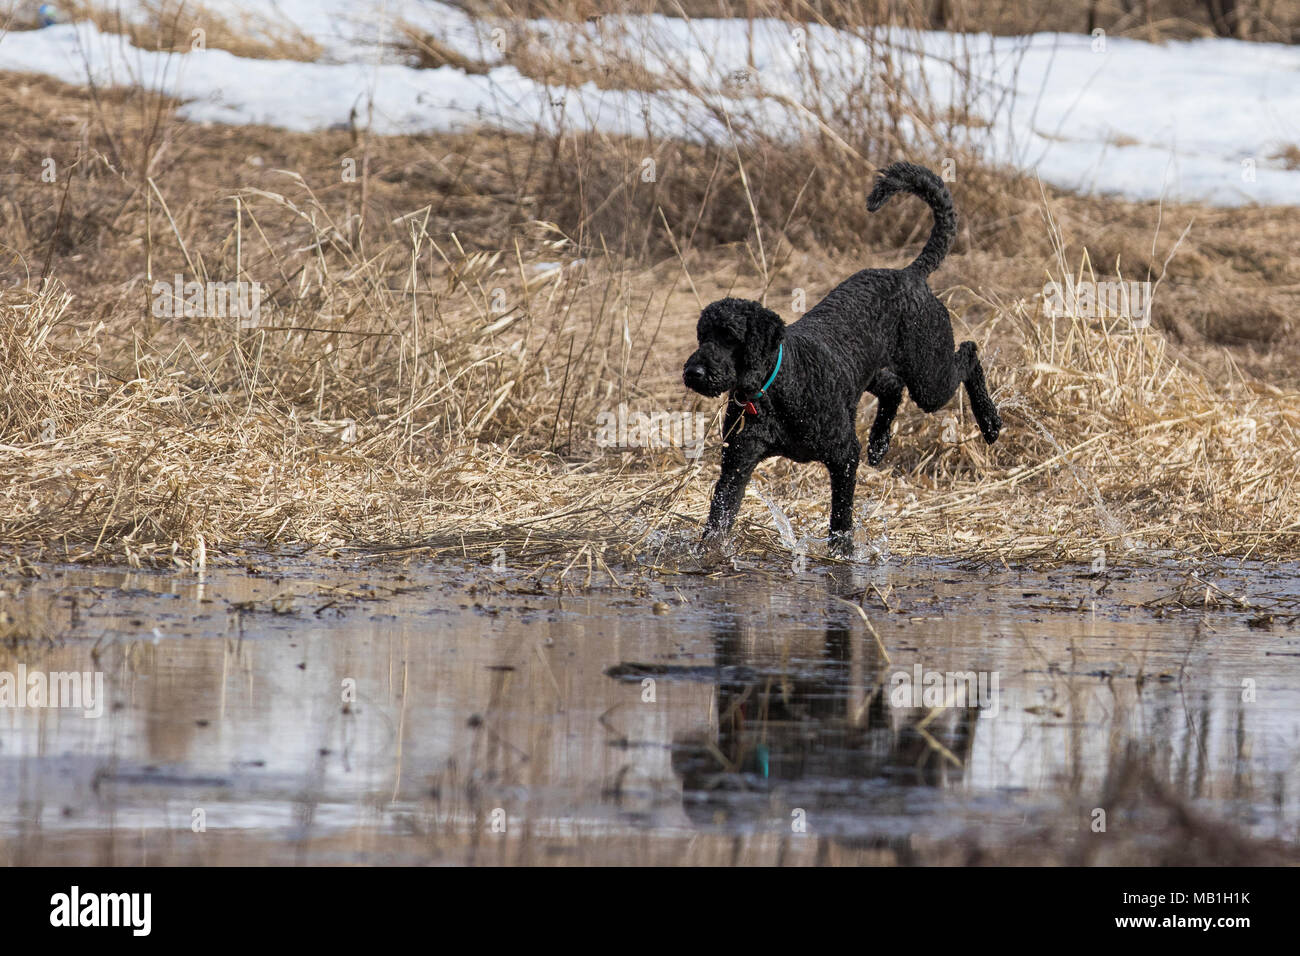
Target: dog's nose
695,371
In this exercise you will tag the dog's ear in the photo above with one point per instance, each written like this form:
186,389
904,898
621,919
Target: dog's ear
764,331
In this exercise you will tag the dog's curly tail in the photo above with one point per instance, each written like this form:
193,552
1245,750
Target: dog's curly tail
911,178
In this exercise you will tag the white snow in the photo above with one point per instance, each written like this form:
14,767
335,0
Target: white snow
1198,120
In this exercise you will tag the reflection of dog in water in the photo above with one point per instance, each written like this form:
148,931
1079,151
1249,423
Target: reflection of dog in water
819,735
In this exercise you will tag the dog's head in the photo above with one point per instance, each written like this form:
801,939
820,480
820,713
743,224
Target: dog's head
738,343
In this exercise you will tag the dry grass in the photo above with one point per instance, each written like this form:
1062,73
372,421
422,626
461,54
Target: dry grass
368,412
181,24
613,64
168,24
440,331
1275,21
1289,155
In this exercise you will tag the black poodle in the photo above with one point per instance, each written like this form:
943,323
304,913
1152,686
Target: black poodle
795,389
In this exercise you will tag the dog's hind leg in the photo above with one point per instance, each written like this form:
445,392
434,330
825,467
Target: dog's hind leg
932,386
972,374
844,474
888,389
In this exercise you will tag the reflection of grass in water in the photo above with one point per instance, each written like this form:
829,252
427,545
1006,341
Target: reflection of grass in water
26,618
533,734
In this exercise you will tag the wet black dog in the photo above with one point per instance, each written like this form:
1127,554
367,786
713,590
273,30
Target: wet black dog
795,389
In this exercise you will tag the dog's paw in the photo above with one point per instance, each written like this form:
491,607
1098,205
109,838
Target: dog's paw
715,542
840,544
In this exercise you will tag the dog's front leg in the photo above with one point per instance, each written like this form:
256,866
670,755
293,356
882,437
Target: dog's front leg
738,461
844,475
888,388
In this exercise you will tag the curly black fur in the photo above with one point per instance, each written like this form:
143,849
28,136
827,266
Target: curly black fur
878,331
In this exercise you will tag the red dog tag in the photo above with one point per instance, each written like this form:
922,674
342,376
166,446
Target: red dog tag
749,407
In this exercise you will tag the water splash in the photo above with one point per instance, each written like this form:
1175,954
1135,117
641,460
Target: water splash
798,545
783,526
876,549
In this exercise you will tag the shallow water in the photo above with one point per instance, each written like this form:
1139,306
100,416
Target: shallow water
298,712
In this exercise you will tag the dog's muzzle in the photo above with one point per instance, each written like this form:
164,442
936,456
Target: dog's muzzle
698,379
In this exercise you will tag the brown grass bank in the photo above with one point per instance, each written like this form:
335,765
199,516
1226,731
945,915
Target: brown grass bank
444,318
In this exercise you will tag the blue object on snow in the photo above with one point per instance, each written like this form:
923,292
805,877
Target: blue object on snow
48,14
